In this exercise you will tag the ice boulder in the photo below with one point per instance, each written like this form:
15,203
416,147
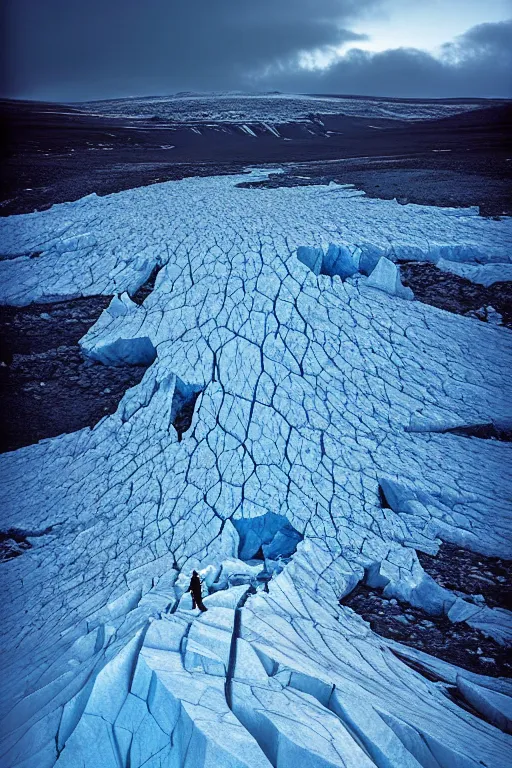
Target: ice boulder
119,307
209,574
496,707
338,261
272,568
235,572
138,351
367,257
106,342
386,277
271,533
283,544
227,598
185,603
311,257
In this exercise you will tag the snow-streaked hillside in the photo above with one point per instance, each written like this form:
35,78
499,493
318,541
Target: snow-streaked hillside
278,108
319,397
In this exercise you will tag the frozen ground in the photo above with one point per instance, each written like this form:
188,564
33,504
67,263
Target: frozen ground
279,107
316,397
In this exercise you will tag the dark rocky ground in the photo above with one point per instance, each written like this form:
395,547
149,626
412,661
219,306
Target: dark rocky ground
14,542
471,574
456,294
54,153
47,387
457,643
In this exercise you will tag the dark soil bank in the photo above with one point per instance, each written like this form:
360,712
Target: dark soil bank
14,542
477,578
46,386
456,294
458,643
471,574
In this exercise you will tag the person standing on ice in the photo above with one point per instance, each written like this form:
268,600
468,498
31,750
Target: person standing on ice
195,589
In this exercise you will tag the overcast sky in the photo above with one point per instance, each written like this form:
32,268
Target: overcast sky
72,50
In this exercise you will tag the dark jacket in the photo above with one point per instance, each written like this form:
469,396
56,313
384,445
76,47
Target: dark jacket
195,586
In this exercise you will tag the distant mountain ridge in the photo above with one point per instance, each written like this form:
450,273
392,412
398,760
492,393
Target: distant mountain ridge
275,107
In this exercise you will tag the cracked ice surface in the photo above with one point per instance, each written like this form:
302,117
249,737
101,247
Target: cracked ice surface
103,245
317,397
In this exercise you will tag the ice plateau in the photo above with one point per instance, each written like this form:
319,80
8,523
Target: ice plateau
316,458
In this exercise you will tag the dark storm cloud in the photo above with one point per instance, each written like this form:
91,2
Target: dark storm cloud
478,63
65,49
82,49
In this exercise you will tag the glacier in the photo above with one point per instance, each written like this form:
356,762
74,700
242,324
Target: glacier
275,108
314,397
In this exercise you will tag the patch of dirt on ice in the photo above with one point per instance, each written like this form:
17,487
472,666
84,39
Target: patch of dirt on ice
14,542
470,574
456,643
46,386
456,294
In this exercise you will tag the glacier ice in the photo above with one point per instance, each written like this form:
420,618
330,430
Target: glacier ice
386,277
308,389
270,533
484,274
274,108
